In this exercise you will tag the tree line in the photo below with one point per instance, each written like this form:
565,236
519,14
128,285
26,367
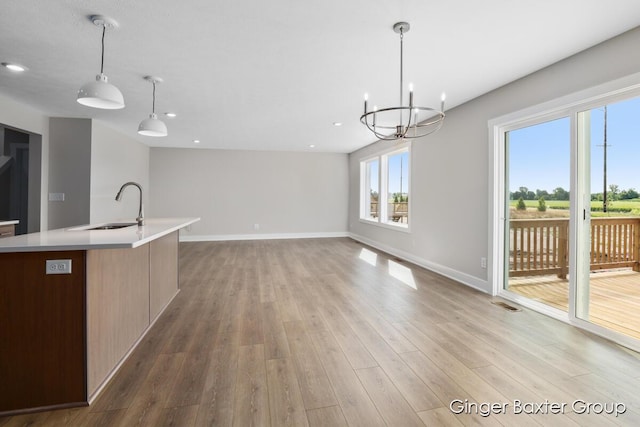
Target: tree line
614,193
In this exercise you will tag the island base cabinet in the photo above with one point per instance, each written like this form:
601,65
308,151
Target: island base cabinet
127,289
163,270
42,335
117,308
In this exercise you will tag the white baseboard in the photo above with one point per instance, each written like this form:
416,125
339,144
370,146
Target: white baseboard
465,279
227,237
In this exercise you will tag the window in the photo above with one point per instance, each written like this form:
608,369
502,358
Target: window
385,187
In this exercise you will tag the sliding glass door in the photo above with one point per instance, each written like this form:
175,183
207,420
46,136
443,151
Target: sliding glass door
571,228
537,212
608,285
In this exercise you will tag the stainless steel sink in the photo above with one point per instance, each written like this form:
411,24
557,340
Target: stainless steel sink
114,226
109,226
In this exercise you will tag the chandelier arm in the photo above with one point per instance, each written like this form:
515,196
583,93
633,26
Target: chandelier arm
420,129
376,133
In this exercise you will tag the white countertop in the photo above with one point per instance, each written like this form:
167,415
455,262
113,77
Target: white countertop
76,238
13,221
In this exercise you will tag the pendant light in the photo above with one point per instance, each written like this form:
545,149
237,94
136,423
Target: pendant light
403,121
100,93
153,126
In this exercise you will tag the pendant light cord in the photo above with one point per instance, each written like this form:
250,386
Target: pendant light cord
104,30
153,105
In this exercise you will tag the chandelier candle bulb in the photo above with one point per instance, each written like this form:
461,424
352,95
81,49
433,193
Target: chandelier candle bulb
442,98
366,98
411,95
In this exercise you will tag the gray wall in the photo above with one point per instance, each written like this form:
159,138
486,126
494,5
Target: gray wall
69,171
450,174
116,159
287,194
88,163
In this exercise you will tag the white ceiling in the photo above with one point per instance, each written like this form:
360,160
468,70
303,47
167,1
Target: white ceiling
276,75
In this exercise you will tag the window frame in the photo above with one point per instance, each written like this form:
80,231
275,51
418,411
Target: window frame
383,188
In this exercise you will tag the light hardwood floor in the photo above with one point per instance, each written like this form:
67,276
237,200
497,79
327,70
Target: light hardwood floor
328,332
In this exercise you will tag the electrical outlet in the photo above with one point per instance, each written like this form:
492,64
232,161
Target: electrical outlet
483,262
56,197
58,266
256,227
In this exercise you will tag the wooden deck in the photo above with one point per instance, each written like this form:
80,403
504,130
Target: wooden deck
614,296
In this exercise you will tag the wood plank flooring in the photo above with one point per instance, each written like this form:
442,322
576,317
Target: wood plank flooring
328,332
614,297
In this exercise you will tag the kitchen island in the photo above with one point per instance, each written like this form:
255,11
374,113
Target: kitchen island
75,302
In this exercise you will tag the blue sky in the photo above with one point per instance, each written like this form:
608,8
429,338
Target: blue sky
398,164
539,155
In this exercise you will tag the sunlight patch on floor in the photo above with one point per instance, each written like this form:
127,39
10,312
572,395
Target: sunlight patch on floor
402,273
368,256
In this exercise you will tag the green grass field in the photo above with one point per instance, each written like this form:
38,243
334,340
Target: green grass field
633,205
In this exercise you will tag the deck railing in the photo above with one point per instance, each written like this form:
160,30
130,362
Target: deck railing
541,246
397,211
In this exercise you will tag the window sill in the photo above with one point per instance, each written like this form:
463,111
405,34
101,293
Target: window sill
404,228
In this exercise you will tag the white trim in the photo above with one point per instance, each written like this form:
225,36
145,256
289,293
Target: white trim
274,236
382,157
388,225
593,96
458,276
388,150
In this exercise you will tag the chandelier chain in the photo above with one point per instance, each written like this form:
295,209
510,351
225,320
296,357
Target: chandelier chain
401,68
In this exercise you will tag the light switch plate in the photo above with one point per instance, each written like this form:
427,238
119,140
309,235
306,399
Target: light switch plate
58,266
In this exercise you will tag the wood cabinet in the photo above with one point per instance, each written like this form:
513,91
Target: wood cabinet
42,331
111,297
7,230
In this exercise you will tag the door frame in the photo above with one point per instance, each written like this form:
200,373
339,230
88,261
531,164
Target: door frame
569,105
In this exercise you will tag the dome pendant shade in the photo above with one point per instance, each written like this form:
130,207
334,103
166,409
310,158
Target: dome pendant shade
101,94
152,126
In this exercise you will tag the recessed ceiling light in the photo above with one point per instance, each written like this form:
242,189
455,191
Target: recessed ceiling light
14,67
337,123
172,115
196,141
312,146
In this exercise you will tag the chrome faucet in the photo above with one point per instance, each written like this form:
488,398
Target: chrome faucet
140,218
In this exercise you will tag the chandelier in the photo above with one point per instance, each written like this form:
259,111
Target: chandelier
405,121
